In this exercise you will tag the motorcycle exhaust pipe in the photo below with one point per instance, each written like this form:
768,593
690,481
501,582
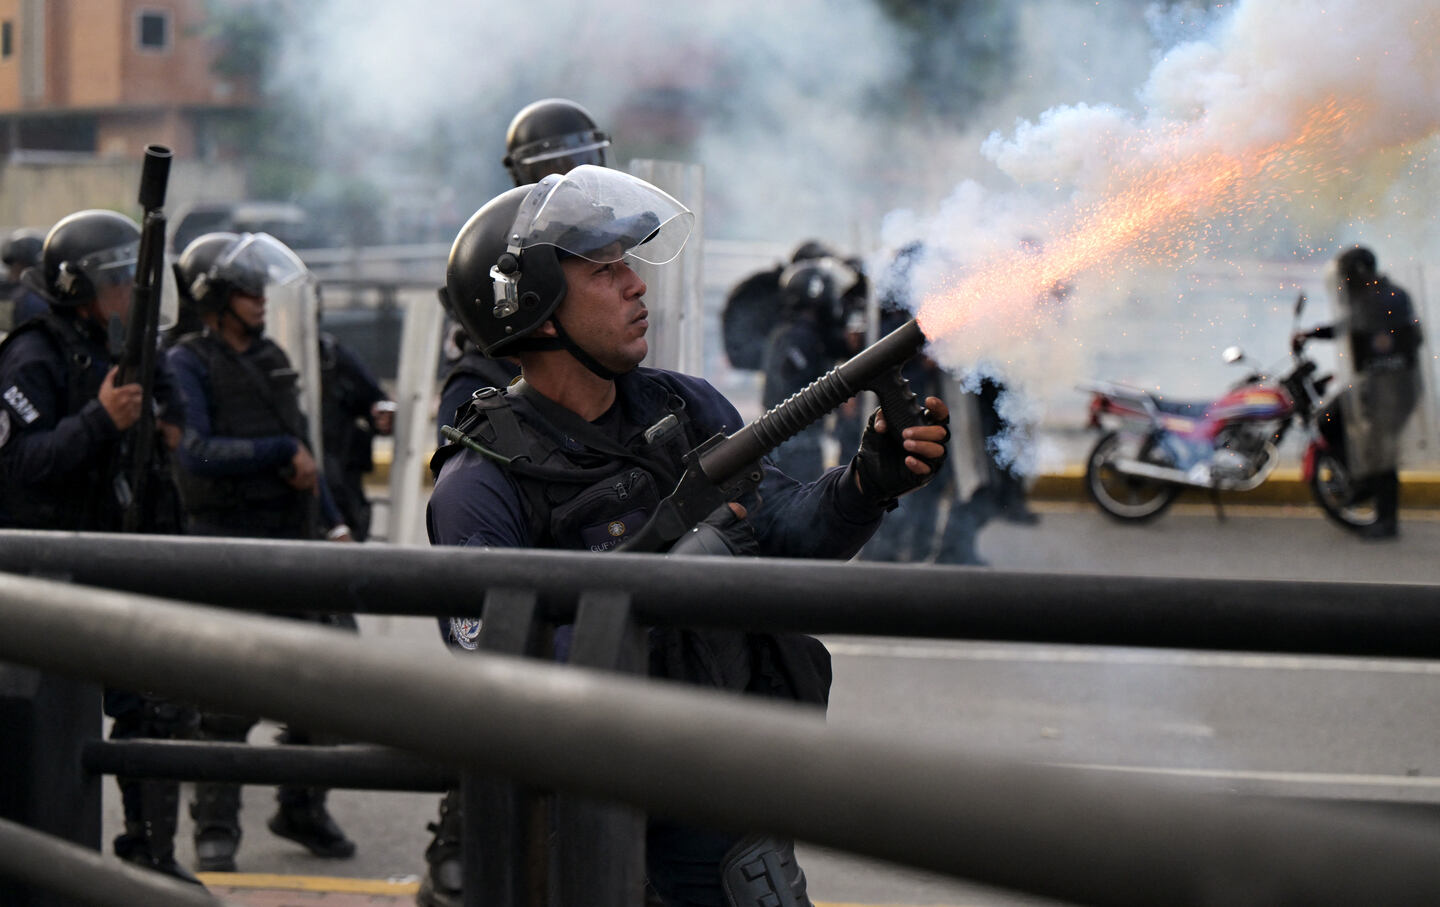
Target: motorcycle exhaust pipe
1178,477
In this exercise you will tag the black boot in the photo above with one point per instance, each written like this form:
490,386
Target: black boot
302,818
216,812
151,815
444,872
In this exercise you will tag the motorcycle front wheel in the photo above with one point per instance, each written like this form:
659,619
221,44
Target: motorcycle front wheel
1132,499
1334,490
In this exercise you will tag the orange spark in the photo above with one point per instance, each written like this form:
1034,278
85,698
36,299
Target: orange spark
1153,211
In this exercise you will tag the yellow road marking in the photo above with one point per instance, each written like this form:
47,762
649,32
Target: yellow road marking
278,882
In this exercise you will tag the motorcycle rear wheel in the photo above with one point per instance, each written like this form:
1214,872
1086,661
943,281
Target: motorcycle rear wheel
1130,499
1334,490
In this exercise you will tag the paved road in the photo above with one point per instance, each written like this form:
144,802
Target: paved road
1329,727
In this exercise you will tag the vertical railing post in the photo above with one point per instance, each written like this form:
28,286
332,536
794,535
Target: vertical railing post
598,856
498,846
45,721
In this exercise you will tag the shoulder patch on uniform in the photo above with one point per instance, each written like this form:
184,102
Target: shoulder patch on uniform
465,631
21,404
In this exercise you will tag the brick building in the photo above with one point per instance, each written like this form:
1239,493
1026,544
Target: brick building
107,77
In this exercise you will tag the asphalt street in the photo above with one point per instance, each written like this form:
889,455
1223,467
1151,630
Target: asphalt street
1327,727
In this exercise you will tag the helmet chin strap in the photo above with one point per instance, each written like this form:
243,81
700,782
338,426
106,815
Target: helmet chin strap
565,342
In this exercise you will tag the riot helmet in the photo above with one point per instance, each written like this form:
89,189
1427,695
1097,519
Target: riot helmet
86,251
811,249
818,286
504,280
215,265
22,248
552,136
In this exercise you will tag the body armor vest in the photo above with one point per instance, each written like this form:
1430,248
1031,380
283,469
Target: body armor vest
578,496
253,396
85,501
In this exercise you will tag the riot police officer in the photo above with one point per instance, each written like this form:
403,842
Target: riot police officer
19,303
62,425
246,470
354,409
593,442
808,341
1384,336
544,137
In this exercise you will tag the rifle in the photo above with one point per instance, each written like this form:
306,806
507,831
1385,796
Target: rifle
723,468
136,358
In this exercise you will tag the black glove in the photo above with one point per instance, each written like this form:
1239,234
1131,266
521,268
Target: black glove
722,532
880,463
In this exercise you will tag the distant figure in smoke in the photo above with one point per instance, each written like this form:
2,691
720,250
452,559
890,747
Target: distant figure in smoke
806,343
553,135
1366,419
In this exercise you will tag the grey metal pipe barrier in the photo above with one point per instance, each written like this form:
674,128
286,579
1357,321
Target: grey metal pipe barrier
760,594
87,877
349,766
718,760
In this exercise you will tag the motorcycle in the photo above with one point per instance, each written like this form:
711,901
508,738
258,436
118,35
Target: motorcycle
1151,448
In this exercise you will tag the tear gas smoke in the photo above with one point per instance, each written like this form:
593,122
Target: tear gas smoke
1282,129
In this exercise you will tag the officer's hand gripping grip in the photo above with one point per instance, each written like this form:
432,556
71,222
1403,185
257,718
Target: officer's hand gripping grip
723,468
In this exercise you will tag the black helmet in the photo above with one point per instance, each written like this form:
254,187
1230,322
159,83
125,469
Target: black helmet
217,264
552,136
22,247
86,250
821,286
1356,265
503,279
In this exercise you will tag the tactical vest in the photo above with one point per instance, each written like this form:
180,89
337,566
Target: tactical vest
84,500
254,396
581,491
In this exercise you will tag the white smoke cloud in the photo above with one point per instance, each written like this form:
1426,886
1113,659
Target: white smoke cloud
1228,80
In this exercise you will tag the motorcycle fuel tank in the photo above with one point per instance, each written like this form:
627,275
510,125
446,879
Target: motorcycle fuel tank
1251,404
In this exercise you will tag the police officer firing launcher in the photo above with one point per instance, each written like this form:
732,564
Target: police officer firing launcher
579,453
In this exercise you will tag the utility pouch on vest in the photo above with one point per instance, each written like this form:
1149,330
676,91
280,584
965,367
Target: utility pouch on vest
602,515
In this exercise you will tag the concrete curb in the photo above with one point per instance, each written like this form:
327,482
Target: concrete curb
1419,489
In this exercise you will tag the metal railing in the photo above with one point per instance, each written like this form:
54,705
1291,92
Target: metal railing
766,766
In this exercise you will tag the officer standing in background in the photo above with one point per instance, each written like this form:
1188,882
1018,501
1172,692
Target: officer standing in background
62,425
594,441
1379,321
19,303
354,409
547,136
246,471
808,340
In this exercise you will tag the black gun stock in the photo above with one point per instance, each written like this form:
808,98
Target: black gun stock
725,467
136,361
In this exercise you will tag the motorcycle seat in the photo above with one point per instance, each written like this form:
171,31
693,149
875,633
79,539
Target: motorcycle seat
1192,408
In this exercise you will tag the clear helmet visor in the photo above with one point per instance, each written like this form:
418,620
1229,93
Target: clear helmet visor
259,261
585,147
111,267
603,215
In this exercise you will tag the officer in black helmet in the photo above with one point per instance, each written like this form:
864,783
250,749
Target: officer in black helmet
246,470
19,303
61,426
548,136
578,453
806,342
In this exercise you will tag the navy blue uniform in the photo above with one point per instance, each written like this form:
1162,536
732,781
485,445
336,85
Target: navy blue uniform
57,443
58,451
472,371
477,502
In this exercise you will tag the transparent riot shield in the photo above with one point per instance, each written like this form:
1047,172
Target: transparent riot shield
292,320
675,291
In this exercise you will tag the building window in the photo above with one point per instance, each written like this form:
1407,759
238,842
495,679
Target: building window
152,30
7,39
